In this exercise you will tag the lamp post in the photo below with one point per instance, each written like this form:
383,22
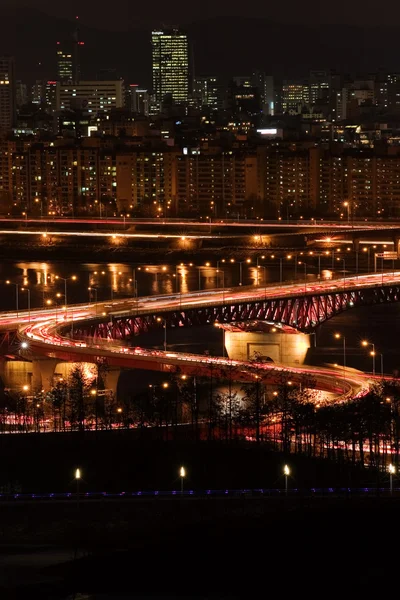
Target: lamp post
65,279
344,270
223,282
392,471
241,262
8,282
182,475
347,205
338,336
161,319
286,472
77,479
28,291
365,343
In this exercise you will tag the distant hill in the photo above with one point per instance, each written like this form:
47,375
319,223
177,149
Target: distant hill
223,46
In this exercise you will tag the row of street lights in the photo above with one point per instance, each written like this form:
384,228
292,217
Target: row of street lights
183,473
364,343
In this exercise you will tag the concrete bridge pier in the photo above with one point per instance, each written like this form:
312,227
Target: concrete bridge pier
111,380
42,373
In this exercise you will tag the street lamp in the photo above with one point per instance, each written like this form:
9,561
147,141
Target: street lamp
65,279
182,475
286,472
344,270
161,319
28,291
77,479
338,336
8,282
241,262
365,343
347,205
392,471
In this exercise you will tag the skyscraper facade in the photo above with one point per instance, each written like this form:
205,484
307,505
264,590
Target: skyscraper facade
7,93
170,55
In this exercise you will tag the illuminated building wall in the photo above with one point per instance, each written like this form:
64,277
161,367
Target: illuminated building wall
7,94
146,180
93,96
170,56
294,96
215,185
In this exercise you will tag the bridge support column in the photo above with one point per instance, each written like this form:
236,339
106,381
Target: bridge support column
396,242
111,380
43,373
356,244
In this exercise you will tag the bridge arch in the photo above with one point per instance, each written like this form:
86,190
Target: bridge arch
304,313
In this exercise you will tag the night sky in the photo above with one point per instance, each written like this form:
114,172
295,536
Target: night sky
127,13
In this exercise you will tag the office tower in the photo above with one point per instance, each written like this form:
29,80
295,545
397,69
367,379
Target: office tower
7,93
319,82
50,95
137,99
171,73
38,92
207,91
265,85
68,63
93,96
294,96
21,94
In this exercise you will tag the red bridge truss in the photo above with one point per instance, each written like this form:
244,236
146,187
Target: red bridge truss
304,313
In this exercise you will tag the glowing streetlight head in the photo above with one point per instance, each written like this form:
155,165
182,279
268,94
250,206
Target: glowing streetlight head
392,469
165,385
286,470
25,388
364,343
24,345
183,376
119,410
74,278
93,392
182,472
248,260
77,474
8,282
337,336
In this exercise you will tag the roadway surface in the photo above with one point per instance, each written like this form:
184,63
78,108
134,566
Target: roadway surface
232,223
39,332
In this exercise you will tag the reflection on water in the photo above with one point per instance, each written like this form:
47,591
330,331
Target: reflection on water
113,280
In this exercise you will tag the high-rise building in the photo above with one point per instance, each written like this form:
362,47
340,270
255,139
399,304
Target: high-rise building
7,93
207,91
51,96
294,96
265,85
38,92
171,72
319,86
137,99
68,63
21,94
93,96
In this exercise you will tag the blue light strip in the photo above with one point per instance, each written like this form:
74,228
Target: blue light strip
257,492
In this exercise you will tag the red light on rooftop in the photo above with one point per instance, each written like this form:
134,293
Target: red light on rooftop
81,43
51,82
133,85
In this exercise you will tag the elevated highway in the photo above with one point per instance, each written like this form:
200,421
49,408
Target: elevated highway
60,337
